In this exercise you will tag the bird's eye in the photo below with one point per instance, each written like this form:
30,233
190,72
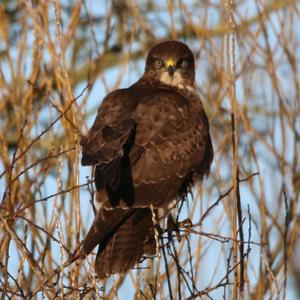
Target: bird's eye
158,63
183,63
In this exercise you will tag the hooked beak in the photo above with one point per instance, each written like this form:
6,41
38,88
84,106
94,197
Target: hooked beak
171,69
171,66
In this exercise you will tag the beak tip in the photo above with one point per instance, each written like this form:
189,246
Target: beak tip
171,70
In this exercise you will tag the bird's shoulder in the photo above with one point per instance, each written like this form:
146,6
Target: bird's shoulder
116,105
168,105
138,101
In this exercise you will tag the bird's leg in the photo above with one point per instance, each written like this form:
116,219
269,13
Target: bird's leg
172,226
186,225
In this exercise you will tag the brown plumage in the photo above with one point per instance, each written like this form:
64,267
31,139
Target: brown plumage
149,143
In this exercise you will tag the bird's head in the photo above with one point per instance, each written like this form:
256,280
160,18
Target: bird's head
172,63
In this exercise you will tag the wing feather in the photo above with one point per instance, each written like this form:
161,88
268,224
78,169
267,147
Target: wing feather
174,138
110,131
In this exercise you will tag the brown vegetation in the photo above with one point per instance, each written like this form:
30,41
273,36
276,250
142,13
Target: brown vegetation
239,233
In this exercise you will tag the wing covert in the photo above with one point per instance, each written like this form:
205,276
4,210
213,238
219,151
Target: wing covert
173,137
110,131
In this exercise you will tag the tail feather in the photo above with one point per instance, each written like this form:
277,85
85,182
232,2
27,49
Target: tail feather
124,236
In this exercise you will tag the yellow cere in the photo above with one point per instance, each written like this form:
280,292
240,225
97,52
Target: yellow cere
170,62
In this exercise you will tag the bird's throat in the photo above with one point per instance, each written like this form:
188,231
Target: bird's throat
173,80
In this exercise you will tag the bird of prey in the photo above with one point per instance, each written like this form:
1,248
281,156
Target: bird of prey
149,144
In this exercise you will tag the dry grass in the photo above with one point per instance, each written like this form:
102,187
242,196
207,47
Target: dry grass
239,233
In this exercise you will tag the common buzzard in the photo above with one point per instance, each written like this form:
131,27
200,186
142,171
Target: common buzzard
149,144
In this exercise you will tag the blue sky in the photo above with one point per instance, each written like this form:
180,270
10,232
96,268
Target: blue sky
272,181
